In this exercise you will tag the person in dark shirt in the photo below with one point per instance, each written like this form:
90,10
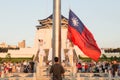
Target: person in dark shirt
114,68
57,70
31,65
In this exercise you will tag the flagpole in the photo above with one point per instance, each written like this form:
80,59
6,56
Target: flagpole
56,41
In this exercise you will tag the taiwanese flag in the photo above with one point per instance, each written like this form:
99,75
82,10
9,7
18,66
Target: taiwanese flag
82,37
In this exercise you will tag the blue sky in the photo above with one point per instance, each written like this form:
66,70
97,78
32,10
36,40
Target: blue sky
18,19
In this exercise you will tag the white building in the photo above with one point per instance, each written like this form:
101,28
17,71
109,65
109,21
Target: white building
43,39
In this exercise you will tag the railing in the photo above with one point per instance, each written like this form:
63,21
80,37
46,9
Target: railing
78,76
69,75
96,76
18,76
42,74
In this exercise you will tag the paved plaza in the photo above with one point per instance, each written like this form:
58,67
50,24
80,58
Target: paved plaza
78,76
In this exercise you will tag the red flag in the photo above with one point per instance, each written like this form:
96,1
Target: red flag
82,37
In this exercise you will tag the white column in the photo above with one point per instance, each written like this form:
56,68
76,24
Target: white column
70,54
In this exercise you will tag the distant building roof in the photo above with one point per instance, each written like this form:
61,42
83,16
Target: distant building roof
51,17
47,22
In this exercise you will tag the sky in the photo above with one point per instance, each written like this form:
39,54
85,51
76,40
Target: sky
18,19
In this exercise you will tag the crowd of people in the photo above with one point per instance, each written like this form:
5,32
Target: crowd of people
82,67
21,67
99,67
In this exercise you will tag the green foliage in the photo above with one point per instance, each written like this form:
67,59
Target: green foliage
0,59
79,57
111,50
5,50
84,58
8,55
112,58
14,60
103,58
33,57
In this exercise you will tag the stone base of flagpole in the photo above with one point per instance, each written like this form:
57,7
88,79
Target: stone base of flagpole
68,72
42,73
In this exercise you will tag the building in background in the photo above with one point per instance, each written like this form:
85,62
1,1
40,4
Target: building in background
3,45
43,39
22,44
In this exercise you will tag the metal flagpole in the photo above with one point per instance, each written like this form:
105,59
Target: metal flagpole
56,42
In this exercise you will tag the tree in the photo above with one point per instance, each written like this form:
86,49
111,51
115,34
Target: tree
111,58
104,56
79,57
8,55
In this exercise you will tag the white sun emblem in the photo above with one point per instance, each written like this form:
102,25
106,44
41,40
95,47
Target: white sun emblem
75,21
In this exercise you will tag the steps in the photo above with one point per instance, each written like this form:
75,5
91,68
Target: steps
42,73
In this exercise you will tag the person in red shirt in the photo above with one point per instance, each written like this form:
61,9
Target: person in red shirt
79,67
86,67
